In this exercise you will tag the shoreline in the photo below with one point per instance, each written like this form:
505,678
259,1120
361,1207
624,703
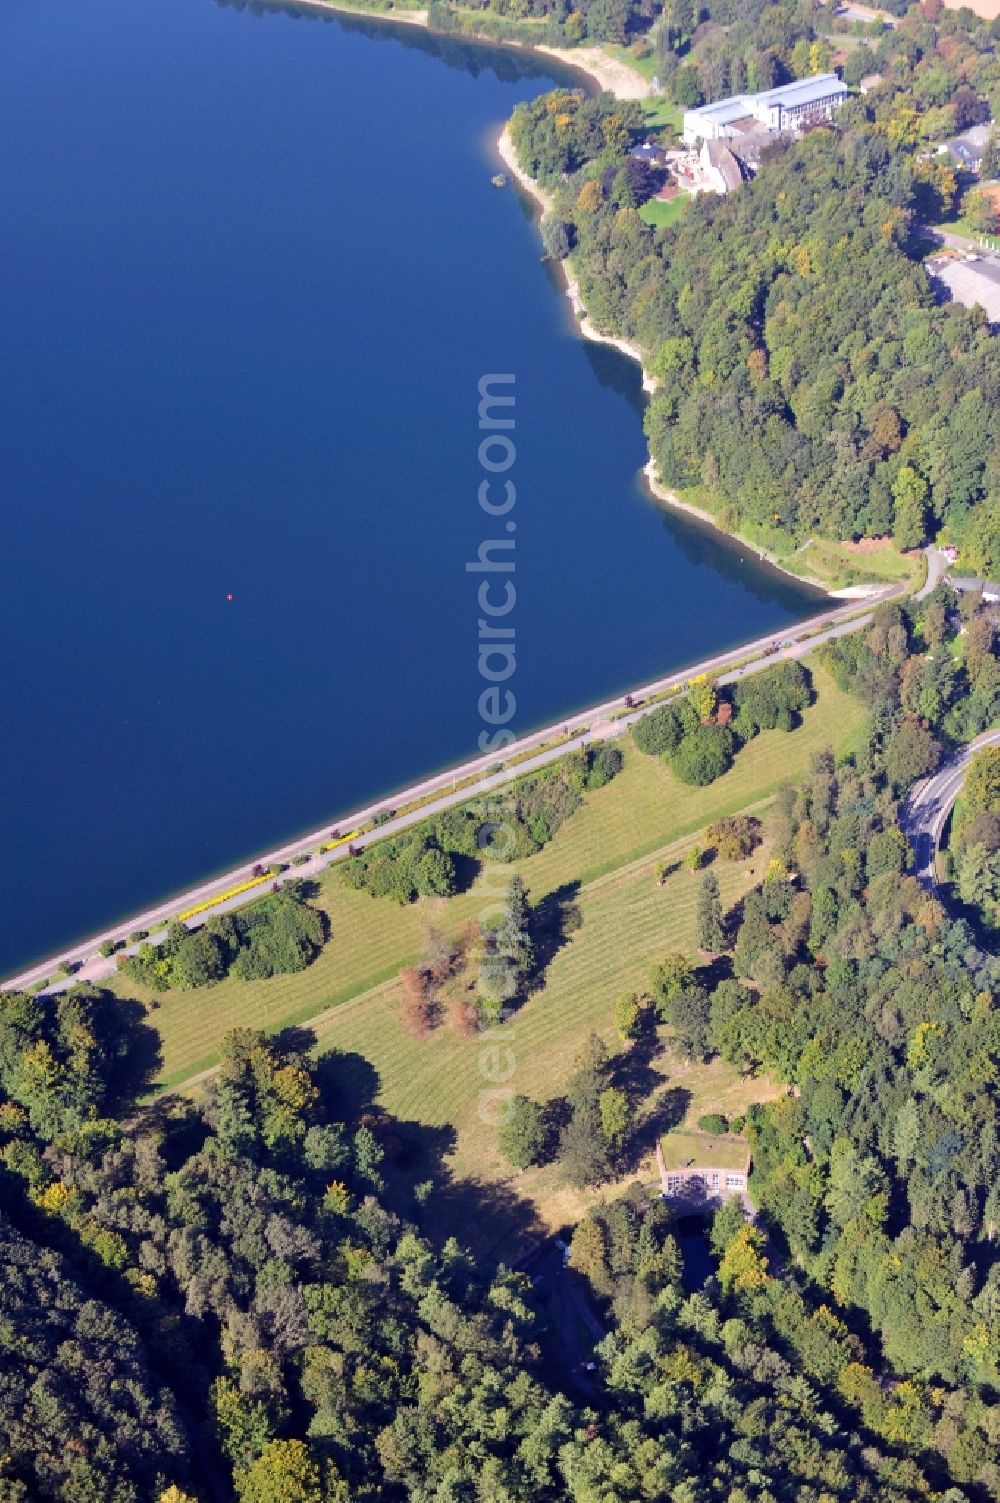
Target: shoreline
608,73
544,199
571,287
588,724
616,78
404,17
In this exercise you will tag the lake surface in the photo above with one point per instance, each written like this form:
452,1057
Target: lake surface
253,269
698,1265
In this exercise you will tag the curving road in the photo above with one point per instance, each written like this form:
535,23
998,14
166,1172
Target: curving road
932,801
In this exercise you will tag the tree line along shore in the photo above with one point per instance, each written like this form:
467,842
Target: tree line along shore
851,462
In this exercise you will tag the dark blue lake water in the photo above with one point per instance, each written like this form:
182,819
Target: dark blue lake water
252,268
696,1253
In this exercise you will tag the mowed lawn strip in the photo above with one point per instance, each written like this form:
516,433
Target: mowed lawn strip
628,923
443,1082
643,811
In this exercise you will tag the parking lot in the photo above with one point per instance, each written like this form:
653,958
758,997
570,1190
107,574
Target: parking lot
970,279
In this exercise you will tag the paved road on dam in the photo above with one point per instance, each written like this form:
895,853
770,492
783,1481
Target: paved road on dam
458,785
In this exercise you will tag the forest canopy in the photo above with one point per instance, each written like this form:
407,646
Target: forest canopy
807,384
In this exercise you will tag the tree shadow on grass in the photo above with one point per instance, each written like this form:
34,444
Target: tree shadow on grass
348,1085
467,869
555,919
556,1114
130,1049
632,1070
420,1185
712,971
491,1216
732,920
295,1039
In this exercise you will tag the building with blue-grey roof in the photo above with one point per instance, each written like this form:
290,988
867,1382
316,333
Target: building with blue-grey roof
785,109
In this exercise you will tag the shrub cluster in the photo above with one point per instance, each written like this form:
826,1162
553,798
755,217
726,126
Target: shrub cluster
276,935
518,821
700,747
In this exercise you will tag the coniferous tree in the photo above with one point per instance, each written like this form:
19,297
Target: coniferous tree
711,935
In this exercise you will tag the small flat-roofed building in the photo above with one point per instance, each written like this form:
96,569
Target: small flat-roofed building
787,108
703,1168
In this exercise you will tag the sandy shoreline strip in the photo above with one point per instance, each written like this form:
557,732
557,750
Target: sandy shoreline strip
609,73
401,17
588,329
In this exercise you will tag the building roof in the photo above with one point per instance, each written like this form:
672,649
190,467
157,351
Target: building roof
965,155
649,151
722,159
704,1150
975,137
741,107
967,149
971,282
750,148
725,111
803,91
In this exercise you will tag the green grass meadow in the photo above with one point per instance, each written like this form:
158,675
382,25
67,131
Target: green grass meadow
657,211
604,862
638,815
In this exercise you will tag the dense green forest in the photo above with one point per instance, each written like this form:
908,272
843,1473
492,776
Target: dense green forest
806,382
246,1298
224,1299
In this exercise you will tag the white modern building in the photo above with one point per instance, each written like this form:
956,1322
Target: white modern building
786,108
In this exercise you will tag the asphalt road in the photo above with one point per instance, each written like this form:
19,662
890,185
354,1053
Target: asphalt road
599,723
931,802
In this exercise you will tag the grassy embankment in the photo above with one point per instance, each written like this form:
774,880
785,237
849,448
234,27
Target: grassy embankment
958,223
976,239
839,565
603,859
658,211
661,113
834,565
